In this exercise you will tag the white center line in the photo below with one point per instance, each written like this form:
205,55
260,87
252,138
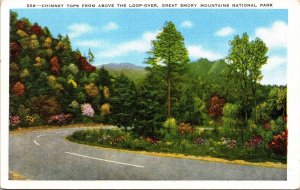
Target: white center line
36,143
61,131
122,163
41,135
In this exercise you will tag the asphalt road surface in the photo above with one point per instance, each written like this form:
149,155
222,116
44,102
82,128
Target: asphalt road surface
46,155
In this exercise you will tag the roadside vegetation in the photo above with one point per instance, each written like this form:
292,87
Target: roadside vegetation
216,108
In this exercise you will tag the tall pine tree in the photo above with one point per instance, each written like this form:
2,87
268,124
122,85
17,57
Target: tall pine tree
169,54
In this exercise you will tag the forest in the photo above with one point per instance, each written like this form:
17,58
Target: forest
217,108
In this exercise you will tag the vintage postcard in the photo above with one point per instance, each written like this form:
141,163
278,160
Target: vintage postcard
147,94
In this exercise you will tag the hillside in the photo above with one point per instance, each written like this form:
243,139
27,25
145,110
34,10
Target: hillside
207,70
133,72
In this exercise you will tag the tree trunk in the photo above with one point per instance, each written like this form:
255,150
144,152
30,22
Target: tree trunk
169,95
255,109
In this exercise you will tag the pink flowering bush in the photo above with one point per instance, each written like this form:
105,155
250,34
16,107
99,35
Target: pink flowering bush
254,142
87,110
229,143
60,119
199,140
14,120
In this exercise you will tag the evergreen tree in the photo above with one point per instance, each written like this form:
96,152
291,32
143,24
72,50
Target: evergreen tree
169,54
151,113
90,56
123,102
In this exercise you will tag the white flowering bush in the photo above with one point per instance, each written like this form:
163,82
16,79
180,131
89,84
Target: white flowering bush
87,110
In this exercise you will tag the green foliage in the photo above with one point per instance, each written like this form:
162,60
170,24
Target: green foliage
150,112
123,102
169,129
231,119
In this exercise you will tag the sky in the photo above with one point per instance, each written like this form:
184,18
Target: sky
125,35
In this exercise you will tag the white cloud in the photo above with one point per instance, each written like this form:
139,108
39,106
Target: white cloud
197,51
275,36
186,24
110,27
140,45
91,43
274,72
274,62
79,29
225,31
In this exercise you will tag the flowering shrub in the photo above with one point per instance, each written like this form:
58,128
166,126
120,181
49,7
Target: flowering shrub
32,120
73,69
60,119
185,128
267,125
15,50
14,120
53,83
24,73
60,45
38,62
87,110
48,42
229,143
117,139
216,107
21,24
91,89
18,89
14,68
105,109
55,66
44,106
74,104
22,34
152,140
73,83
199,140
85,65
36,29
170,123
49,52
254,142
34,43
106,92
279,143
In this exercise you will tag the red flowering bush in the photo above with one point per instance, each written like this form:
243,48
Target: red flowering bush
15,50
36,29
279,143
18,89
21,24
152,140
60,119
55,66
84,65
216,107
254,142
185,128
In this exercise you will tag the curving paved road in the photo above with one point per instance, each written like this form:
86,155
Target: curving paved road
45,155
